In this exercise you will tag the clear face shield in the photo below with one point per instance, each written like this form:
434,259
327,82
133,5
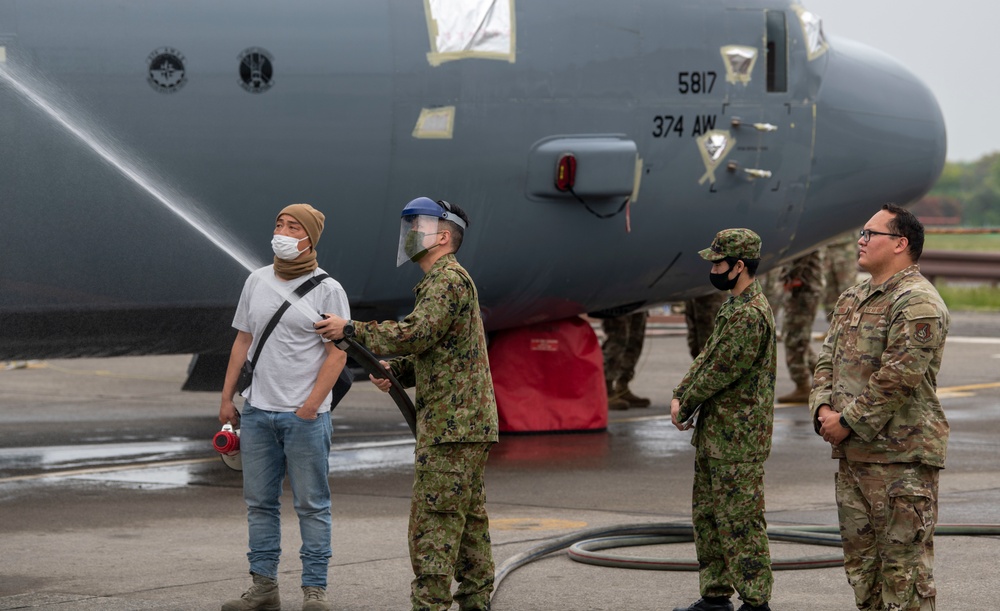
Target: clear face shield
417,236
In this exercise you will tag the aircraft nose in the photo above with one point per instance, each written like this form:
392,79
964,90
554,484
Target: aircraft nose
880,137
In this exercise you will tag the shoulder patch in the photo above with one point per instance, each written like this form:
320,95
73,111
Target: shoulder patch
922,332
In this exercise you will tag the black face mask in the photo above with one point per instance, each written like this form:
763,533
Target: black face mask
722,281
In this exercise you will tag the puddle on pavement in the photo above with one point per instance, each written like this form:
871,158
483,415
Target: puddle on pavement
148,464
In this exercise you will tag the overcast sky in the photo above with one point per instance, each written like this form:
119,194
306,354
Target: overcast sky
951,46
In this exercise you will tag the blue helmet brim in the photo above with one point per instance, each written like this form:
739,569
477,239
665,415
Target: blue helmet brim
425,206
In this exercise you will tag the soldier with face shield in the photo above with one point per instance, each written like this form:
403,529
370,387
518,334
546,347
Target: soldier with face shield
418,229
442,352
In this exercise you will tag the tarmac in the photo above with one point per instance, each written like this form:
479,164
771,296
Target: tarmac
112,498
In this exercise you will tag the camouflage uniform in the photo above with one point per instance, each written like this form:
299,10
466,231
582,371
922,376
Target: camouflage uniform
774,289
840,270
624,336
732,381
699,314
444,356
803,282
878,368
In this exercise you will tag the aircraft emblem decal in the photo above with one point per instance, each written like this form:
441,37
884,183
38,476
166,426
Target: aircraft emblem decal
714,146
166,70
256,70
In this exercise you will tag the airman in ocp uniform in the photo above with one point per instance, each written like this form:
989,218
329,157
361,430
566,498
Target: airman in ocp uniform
874,399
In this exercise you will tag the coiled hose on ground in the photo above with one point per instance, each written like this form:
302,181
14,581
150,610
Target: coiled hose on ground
583,545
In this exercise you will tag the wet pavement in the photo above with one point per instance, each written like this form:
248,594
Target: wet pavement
112,498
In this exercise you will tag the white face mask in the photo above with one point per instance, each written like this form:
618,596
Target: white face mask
286,247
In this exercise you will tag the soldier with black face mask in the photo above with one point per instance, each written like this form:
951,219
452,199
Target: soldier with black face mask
730,386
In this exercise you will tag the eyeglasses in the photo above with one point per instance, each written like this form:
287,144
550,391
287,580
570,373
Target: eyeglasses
866,234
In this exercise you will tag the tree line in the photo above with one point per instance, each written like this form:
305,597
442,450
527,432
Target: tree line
966,194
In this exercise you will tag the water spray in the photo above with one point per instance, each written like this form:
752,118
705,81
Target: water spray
103,146
105,149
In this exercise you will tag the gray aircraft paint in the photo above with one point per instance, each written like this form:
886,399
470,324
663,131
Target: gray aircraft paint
93,265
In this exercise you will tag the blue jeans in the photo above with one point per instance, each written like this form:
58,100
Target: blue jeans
270,441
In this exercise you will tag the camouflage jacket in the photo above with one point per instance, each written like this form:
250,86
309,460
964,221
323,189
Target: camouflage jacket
878,367
443,353
733,382
806,271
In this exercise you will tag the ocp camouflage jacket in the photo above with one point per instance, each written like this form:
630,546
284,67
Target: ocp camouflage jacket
878,368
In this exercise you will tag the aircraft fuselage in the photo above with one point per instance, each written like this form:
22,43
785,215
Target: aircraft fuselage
232,110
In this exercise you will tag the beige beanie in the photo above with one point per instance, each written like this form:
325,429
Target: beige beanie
311,219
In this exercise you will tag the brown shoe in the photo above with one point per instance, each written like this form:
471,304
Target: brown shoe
616,402
632,400
799,395
314,599
262,596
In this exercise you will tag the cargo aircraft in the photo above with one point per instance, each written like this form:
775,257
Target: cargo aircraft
597,146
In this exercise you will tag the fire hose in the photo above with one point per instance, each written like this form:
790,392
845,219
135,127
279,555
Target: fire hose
583,544
370,363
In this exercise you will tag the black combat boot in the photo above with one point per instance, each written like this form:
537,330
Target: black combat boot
749,607
709,603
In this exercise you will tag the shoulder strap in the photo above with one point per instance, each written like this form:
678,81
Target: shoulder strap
300,292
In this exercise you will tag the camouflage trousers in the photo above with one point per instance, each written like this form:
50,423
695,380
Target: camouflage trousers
840,270
730,533
774,290
449,530
887,518
699,315
622,346
800,311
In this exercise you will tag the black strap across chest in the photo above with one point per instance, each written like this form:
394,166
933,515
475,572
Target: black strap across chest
300,292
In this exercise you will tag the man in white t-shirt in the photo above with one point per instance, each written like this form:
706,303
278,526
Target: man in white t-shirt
285,426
